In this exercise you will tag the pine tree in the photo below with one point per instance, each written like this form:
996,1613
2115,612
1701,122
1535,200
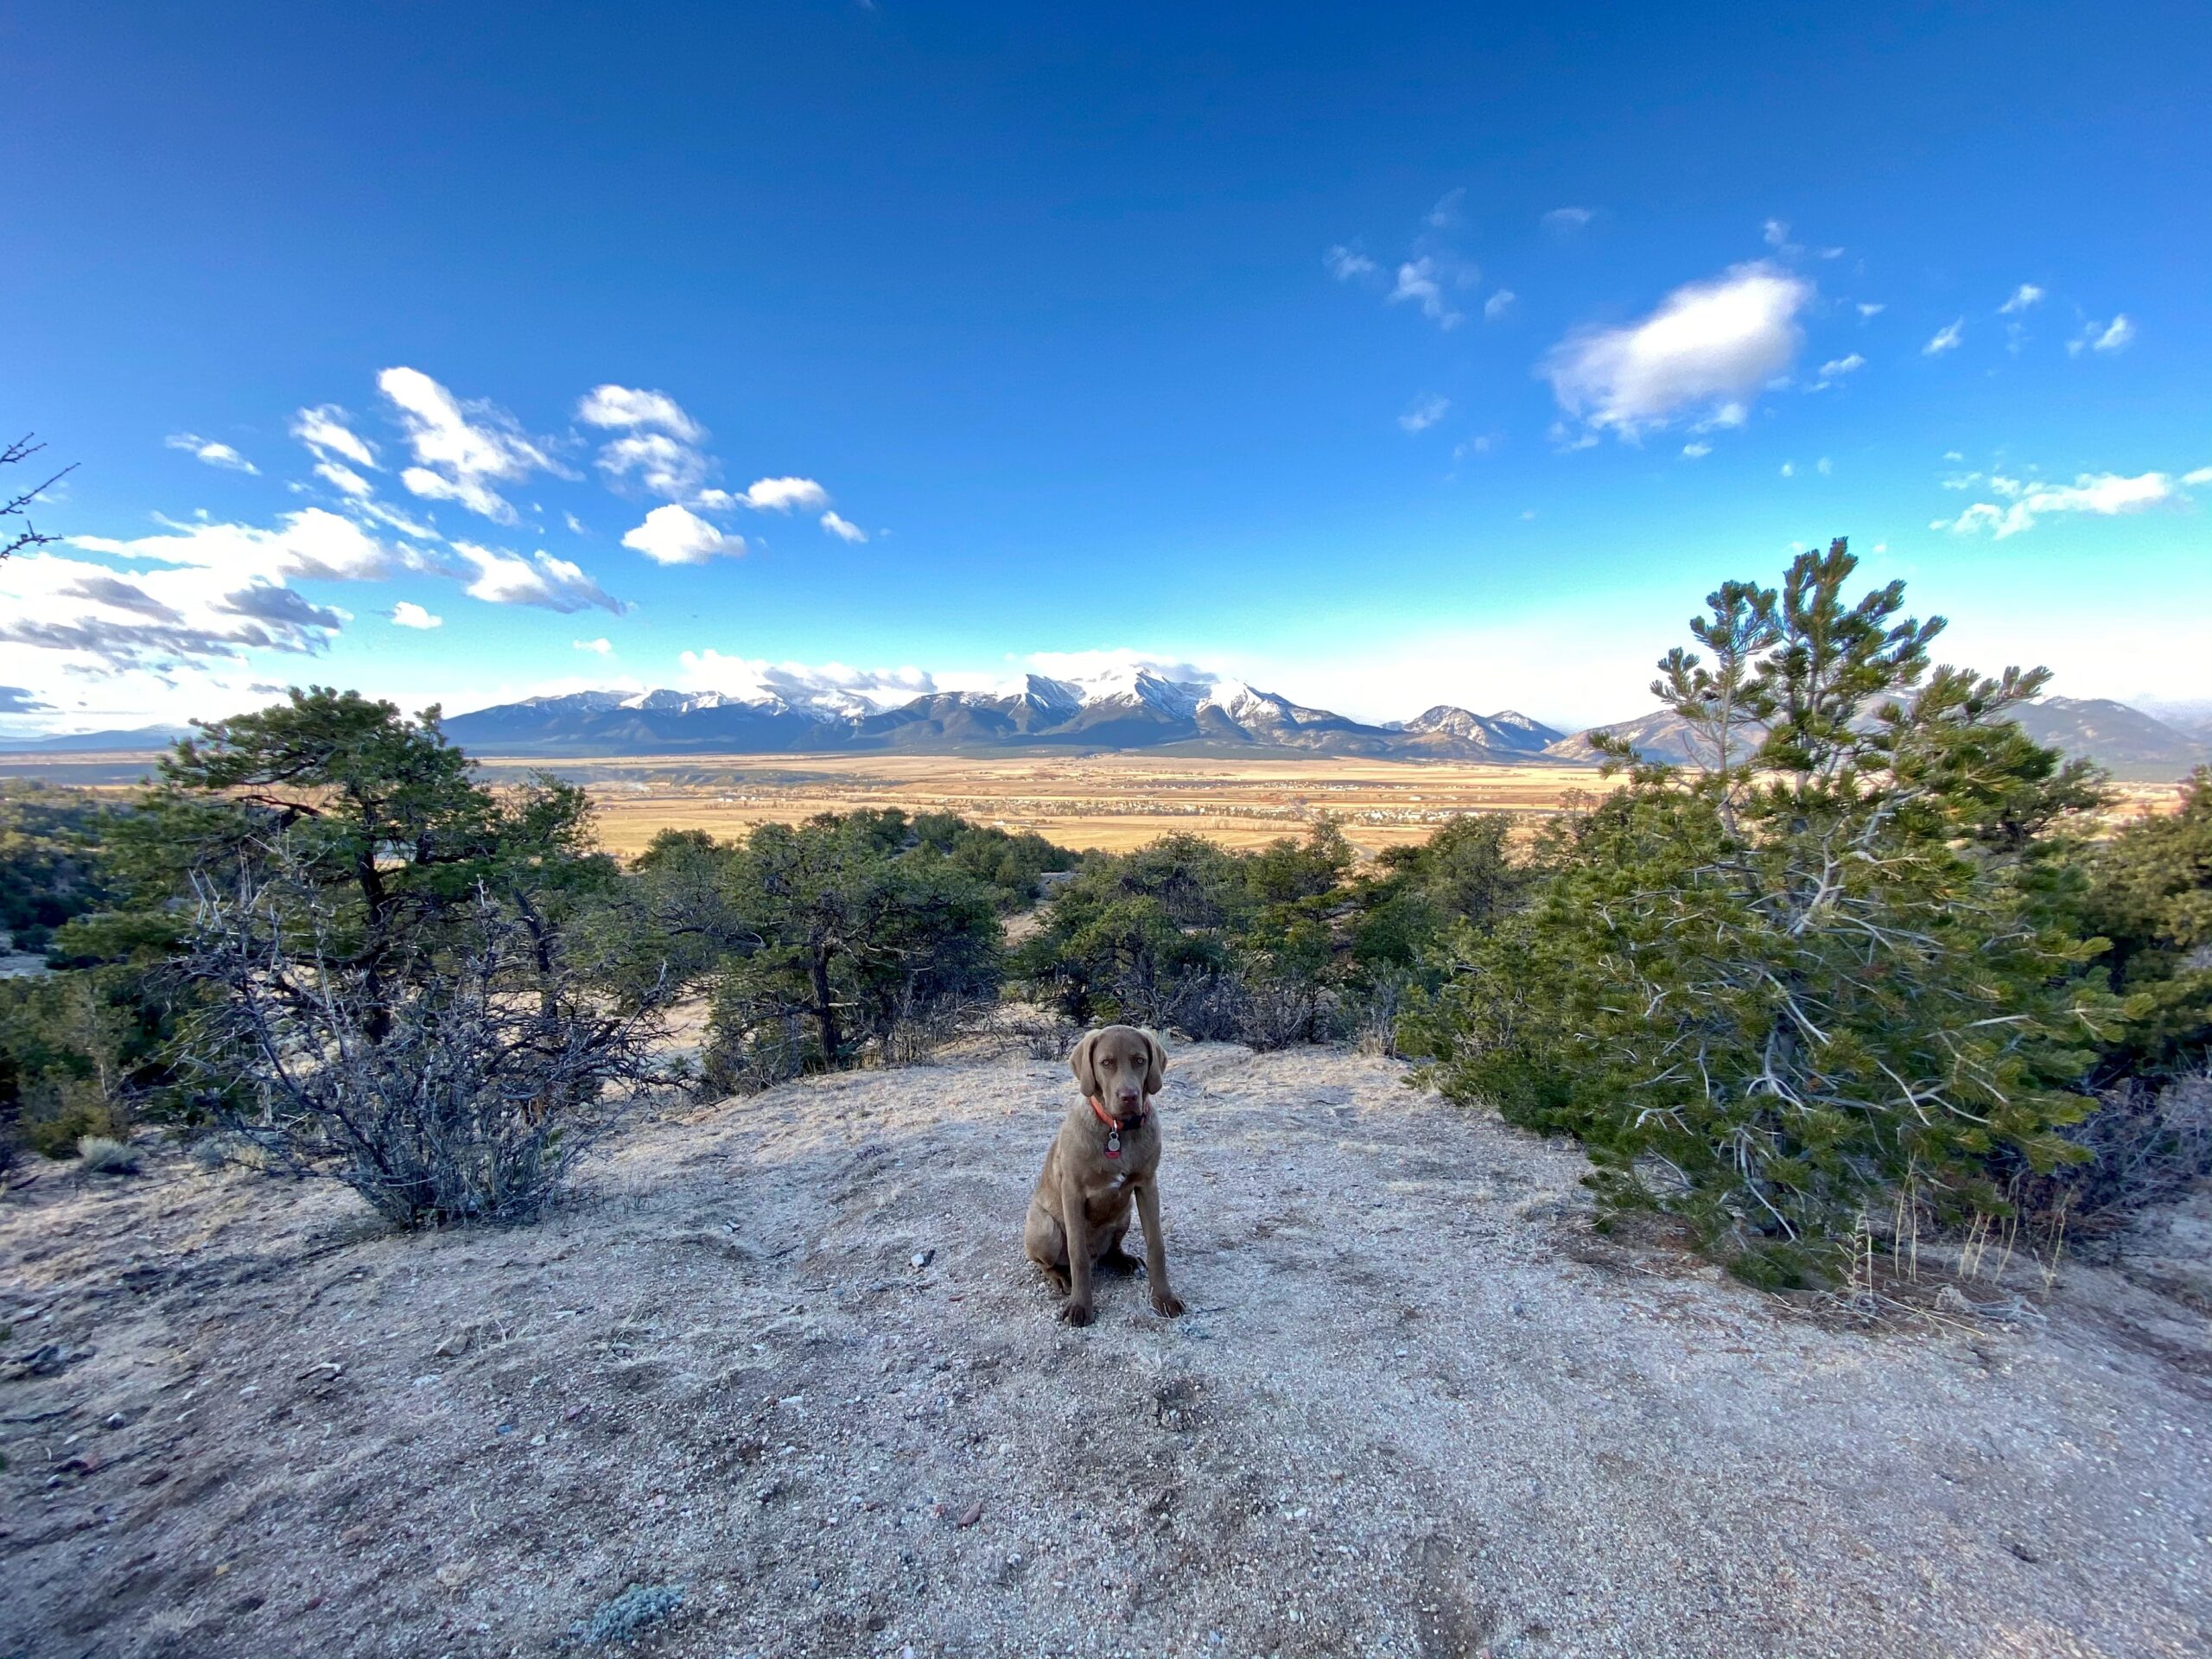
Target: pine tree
1767,988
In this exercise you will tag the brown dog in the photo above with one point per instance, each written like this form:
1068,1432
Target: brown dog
1106,1155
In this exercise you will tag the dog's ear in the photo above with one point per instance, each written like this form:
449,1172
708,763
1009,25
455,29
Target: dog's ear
1086,1074
1156,1067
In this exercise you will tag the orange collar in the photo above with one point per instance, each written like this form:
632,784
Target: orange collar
1114,1125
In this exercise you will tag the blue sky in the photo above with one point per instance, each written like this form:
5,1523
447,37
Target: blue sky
1381,356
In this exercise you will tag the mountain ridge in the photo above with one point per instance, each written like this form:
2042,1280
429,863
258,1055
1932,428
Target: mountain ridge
1127,708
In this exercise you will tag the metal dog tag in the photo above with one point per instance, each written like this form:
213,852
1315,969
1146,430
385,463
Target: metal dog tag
1113,1143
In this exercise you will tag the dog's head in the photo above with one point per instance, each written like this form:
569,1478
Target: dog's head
1119,1067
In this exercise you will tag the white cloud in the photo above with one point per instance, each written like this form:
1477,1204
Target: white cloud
1789,469
575,524
1696,451
470,492
626,406
460,448
2201,475
408,614
391,519
345,478
215,592
323,429
1712,344
1774,233
1946,339
1445,215
1422,280
311,543
843,528
1567,219
1872,308
602,647
663,466
1498,304
674,535
833,685
2103,337
1426,413
1343,264
207,449
2103,494
2025,295
1836,367
1824,467
504,578
1095,665
782,495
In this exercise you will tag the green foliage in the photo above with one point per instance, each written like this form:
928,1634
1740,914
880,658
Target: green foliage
2151,895
84,1052
1185,933
49,863
383,824
822,941
1767,990
1463,876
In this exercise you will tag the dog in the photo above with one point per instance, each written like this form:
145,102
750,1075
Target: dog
1105,1158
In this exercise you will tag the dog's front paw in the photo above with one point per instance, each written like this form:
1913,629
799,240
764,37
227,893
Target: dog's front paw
1166,1304
1076,1313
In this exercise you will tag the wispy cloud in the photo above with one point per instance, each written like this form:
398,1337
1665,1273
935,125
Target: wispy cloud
1344,263
1561,220
601,648
1424,413
540,580
773,495
633,407
1421,281
1498,304
843,528
408,614
1709,347
210,451
1946,339
824,686
324,430
2024,296
460,449
676,534
660,448
345,479
2102,495
1696,451
2103,336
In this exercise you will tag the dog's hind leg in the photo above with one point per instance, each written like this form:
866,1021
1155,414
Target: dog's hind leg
1045,1241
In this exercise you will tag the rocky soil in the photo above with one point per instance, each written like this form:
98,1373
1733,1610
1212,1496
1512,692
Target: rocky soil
780,1383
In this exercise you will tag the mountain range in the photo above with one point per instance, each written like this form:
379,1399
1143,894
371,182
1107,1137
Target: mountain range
1132,709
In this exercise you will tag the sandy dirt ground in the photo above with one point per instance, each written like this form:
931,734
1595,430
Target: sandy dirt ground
779,1383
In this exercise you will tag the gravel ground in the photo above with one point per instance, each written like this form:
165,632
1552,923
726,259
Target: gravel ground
780,1383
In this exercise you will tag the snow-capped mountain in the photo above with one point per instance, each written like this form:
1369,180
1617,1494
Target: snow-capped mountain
1134,707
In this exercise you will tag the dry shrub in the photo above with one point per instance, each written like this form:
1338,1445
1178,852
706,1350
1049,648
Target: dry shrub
97,1154
2150,1142
463,1092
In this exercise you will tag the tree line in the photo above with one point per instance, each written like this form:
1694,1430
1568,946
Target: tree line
1872,952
